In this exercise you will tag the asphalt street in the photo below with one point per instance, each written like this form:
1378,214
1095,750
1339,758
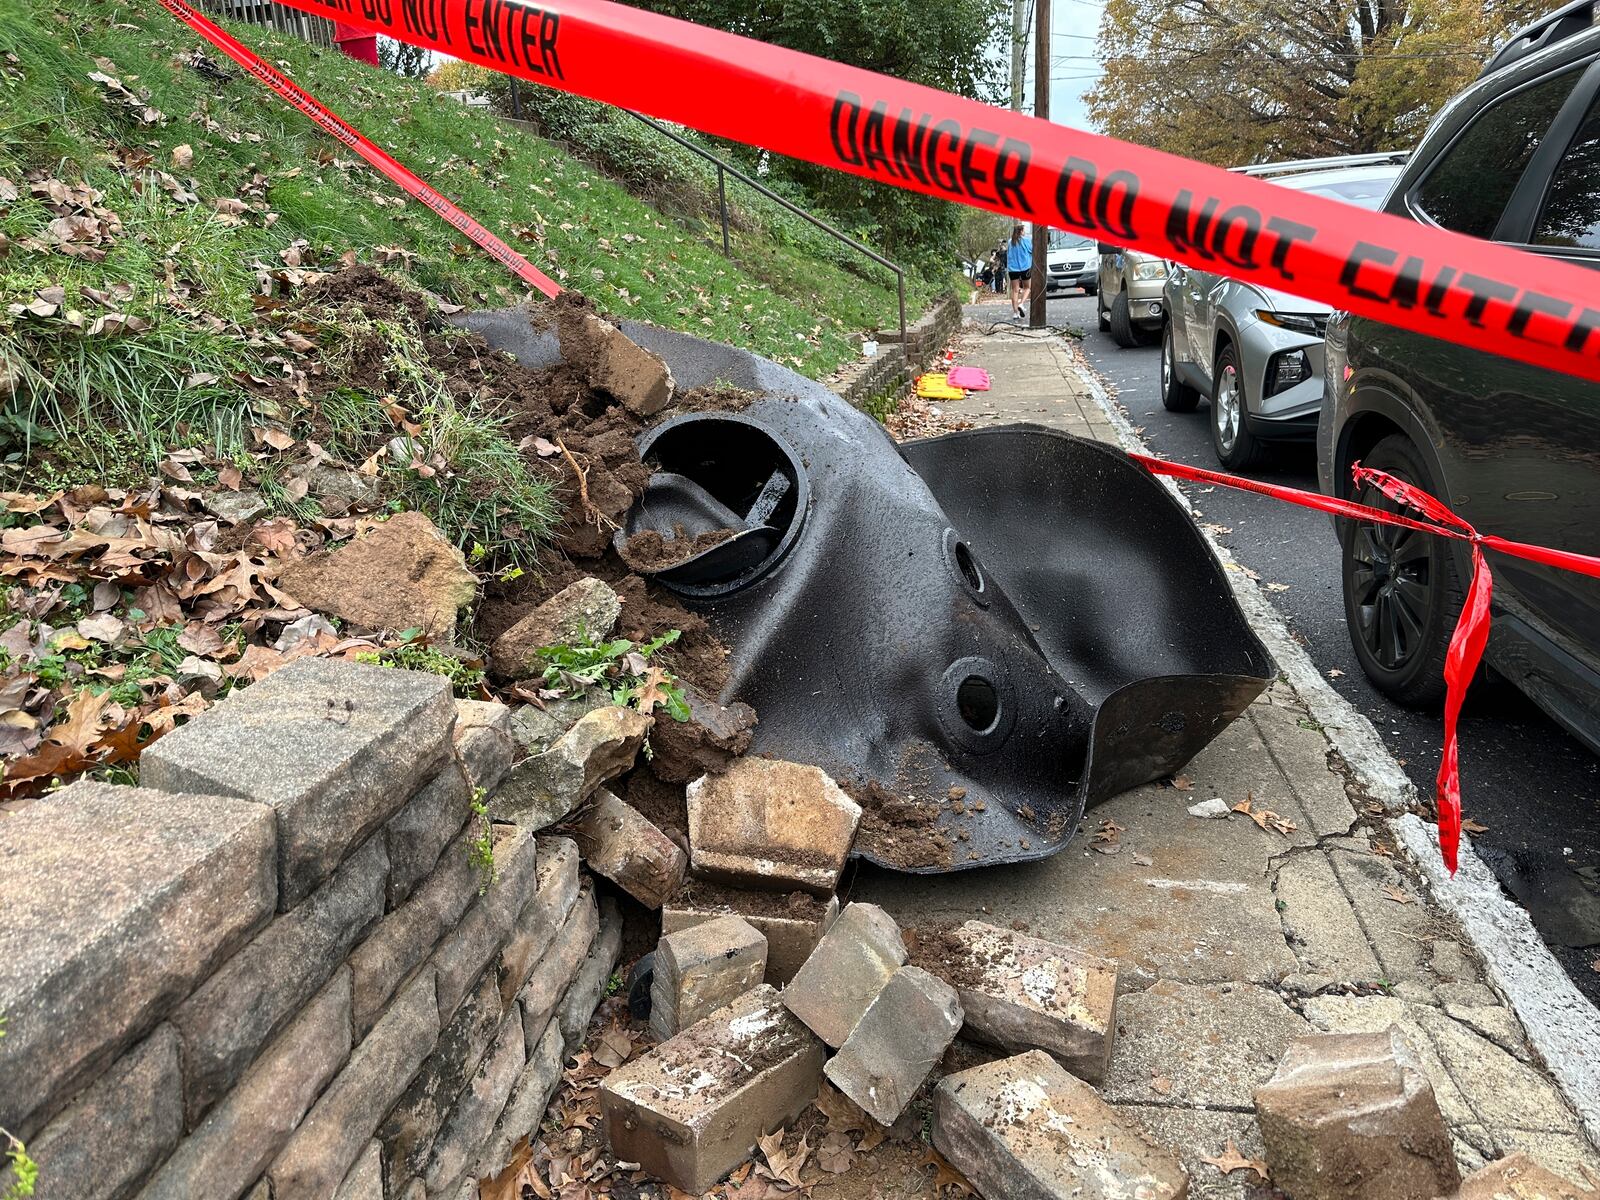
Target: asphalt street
1535,787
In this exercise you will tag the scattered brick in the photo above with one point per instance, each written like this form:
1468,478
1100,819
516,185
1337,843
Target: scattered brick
771,824
1518,1177
897,1042
793,924
1353,1115
850,966
701,969
1023,993
619,842
692,1109
1025,1129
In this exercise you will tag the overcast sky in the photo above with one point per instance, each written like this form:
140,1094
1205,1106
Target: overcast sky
1073,67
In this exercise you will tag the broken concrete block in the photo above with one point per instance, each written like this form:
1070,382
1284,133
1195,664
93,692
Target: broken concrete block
708,742
580,612
1025,1129
1023,993
850,966
615,363
691,1110
334,747
535,730
401,573
1353,1115
1518,1177
897,1042
617,841
539,791
1214,809
793,924
771,824
699,970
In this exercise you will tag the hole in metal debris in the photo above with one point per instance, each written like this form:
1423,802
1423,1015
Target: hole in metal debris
978,703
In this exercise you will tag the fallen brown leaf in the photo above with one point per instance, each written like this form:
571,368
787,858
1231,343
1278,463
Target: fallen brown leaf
836,1154
944,1175
1398,895
1230,1160
783,1167
1183,783
1472,826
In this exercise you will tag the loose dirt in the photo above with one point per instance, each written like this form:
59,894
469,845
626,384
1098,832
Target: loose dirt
901,831
649,551
794,906
579,438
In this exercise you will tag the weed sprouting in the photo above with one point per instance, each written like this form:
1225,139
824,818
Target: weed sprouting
480,852
618,666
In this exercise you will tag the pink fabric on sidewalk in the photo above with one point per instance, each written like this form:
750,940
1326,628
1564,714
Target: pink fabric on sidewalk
974,379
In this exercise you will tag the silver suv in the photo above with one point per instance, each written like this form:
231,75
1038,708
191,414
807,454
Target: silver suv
1254,352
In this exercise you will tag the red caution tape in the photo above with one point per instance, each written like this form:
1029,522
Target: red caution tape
1472,628
1524,306
333,124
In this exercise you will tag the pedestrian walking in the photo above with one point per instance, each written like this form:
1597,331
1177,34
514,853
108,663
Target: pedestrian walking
997,268
1019,266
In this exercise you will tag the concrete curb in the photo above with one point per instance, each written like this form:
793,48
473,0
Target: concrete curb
1560,1022
1562,1026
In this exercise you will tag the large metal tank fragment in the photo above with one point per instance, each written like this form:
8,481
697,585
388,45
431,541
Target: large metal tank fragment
979,634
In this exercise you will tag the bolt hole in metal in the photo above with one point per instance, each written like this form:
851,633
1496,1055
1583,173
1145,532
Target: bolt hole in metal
978,703
968,566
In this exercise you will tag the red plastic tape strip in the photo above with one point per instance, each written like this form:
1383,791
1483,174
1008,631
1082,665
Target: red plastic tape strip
1471,633
334,125
1524,306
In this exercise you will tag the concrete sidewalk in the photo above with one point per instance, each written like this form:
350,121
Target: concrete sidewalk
1237,935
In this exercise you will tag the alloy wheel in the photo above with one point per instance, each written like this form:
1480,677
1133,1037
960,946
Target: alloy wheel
1228,408
1390,587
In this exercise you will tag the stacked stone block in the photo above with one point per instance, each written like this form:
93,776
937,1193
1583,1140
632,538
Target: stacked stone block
273,968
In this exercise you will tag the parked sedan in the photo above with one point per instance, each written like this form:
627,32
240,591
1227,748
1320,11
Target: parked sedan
1254,352
1513,448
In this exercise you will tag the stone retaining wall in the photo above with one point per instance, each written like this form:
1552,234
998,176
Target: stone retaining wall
274,969
888,376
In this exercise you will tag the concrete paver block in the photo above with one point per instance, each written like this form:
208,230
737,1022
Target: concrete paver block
334,747
792,932
1025,1129
701,969
772,824
622,844
850,966
586,610
1023,993
897,1042
1353,1117
692,1109
117,902
1519,1177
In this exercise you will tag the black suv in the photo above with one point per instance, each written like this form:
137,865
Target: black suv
1514,449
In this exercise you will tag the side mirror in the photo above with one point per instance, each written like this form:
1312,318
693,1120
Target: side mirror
1107,248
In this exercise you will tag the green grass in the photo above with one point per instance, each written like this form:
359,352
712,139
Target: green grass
110,406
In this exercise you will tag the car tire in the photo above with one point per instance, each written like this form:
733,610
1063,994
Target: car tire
1121,324
1176,395
1402,591
1231,438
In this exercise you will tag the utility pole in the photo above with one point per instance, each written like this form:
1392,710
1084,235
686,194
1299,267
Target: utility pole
1019,50
1037,288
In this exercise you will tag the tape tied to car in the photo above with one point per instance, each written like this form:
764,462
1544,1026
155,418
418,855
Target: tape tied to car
334,125
1526,306
1471,634
441,19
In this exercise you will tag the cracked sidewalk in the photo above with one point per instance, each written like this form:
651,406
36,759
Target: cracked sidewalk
1234,938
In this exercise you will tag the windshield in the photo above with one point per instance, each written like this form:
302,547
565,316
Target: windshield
1365,190
1062,239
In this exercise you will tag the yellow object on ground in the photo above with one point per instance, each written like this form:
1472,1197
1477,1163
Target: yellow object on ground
937,387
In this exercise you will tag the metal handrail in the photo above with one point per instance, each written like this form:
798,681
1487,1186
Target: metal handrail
722,204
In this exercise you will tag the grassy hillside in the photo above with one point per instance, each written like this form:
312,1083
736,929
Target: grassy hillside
154,221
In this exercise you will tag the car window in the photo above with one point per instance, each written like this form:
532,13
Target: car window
1366,192
1571,215
1469,187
